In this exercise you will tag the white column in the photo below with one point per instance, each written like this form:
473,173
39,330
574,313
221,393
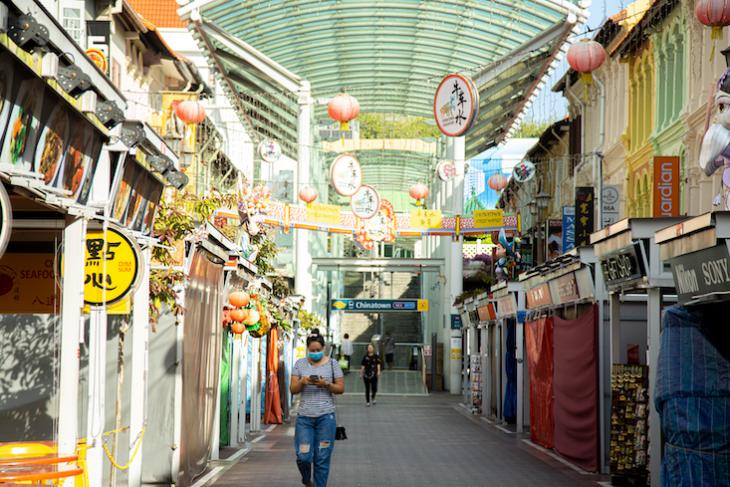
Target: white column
653,318
303,256
235,388
520,359
72,301
177,411
456,266
97,387
256,387
138,398
241,397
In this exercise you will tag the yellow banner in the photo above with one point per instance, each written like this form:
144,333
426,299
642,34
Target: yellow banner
488,218
426,218
422,305
27,284
322,213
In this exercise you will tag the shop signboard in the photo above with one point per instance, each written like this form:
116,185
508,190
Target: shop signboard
6,219
455,105
98,34
702,275
624,265
565,289
665,188
568,228
378,305
487,312
28,283
584,209
538,296
365,202
323,213
422,218
456,323
506,306
610,205
488,218
346,174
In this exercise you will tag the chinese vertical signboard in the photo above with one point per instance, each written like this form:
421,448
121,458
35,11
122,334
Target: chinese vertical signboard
584,204
666,186
568,228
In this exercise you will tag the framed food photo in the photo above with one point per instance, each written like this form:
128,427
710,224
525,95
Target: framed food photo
135,203
152,205
51,144
77,159
124,191
85,192
18,147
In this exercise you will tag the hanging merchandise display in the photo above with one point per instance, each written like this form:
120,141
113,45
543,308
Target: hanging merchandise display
629,415
455,105
365,202
523,171
346,174
269,150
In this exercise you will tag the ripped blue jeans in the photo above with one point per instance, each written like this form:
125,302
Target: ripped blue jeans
314,440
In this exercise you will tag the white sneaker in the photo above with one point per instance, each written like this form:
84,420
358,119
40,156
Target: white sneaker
375,402
367,404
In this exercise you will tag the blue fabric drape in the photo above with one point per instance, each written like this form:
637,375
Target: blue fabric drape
693,396
510,367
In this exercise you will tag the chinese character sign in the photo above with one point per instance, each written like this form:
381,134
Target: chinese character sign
112,267
568,228
455,105
365,202
584,204
346,174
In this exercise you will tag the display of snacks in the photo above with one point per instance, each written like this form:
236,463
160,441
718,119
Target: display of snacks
475,369
629,430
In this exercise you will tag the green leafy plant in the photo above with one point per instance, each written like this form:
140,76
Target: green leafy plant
308,321
389,126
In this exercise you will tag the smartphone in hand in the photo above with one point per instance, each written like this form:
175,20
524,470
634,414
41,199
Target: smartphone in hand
313,379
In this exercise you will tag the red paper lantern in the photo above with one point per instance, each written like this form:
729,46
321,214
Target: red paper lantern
239,315
239,299
585,57
713,13
343,108
238,328
308,194
497,182
418,192
190,111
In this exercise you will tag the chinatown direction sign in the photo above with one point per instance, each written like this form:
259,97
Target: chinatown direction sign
455,105
703,275
112,268
378,305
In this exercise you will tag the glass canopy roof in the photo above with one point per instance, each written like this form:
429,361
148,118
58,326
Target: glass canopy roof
390,55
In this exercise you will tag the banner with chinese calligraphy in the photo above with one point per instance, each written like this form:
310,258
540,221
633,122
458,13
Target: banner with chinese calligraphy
584,212
323,213
426,219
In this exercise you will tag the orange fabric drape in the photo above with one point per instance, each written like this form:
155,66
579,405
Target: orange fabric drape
272,406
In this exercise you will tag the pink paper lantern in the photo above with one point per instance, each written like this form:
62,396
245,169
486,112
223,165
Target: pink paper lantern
713,13
586,56
308,194
190,111
497,182
343,108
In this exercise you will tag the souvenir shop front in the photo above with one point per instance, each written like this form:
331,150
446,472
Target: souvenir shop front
635,276
507,366
564,355
483,384
693,376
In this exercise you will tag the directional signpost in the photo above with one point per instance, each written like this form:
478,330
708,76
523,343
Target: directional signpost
378,305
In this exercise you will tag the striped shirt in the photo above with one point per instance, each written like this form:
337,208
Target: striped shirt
317,401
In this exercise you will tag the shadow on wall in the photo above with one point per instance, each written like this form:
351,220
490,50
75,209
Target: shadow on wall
29,345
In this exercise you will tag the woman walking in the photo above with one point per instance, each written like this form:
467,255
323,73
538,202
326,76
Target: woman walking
370,371
318,379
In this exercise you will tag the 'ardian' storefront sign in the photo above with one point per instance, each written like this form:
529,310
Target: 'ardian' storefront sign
666,186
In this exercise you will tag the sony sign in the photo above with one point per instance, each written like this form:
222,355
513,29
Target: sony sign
666,186
699,275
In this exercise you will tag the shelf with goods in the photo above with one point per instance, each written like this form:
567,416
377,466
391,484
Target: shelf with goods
476,387
629,429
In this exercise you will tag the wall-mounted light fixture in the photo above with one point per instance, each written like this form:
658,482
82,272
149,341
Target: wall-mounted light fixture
109,114
26,32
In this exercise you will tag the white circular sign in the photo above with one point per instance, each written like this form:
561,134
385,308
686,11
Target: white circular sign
346,174
455,105
365,202
377,227
446,170
610,195
523,171
269,150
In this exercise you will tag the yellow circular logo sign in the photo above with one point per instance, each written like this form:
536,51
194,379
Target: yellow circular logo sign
111,268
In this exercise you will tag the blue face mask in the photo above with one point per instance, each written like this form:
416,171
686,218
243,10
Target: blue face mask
316,356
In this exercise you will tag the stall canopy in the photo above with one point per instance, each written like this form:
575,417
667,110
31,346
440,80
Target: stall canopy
390,55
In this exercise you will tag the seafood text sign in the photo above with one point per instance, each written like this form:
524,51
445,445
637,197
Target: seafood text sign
28,283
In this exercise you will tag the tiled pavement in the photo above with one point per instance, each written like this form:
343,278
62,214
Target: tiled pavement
408,441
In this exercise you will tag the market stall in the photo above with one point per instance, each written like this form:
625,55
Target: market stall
487,314
633,272
693,406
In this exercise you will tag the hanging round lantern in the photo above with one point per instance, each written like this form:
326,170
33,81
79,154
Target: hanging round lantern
252,318
418,192
585,57
497,182
239,315
343,108
190,111
715,14
239,299
238,328
308,194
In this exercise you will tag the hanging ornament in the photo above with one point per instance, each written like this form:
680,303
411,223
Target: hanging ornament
343,108
190,111
714,14
239,299
585,56
308,194
239,315
238,328
418,192
497,182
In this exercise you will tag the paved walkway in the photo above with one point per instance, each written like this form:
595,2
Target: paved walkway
408,441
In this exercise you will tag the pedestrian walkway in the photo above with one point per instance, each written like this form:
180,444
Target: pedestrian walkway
401,382
408,441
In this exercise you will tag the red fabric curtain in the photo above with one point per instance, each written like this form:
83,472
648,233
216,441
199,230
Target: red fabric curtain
539,338
272,404
576,389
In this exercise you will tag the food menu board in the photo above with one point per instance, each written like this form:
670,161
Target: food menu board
78,158
23,119
137,197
